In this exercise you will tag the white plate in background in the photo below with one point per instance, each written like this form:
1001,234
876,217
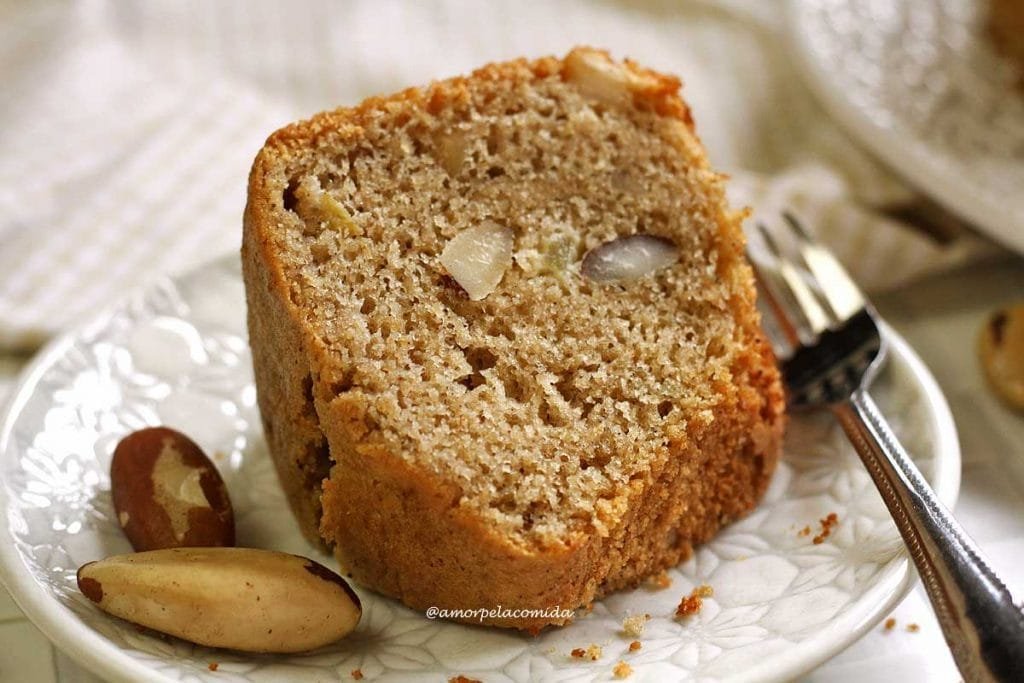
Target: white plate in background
919,84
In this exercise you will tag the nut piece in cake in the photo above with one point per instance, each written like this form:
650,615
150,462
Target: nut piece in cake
604,80
629,258
478,257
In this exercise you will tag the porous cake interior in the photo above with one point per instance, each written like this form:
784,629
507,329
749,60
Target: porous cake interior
546,398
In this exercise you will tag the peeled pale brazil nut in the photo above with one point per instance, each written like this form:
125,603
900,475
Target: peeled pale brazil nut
168,494
238,598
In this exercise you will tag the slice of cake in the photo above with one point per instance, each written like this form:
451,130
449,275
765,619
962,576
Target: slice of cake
504,337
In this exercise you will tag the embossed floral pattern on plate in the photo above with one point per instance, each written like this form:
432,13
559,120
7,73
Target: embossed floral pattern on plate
176,354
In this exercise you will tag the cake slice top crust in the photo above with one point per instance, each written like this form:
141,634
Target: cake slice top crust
548,399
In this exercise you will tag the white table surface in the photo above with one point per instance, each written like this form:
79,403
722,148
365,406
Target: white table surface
940,317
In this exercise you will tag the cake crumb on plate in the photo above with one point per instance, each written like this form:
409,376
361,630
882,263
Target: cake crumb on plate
593,652
827,524
634,626
692,603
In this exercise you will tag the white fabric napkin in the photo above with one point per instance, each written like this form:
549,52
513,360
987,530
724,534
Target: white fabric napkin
127,127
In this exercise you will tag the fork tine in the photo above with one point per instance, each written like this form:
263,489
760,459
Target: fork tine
813,318
772,297
837,290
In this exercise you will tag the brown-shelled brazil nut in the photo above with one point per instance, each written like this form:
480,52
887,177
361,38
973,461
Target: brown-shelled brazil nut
238,598
1001,349
168,494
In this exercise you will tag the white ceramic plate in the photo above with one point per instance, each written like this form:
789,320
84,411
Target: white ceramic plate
176,354
917,82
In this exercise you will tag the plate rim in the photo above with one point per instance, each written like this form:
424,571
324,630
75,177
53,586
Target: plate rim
58,623
947,476
97,654
909,159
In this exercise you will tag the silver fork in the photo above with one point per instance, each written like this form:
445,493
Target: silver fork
837,349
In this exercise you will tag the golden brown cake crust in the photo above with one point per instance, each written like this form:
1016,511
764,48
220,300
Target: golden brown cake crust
397,527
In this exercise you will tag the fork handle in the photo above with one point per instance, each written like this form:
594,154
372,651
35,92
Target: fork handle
981,624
